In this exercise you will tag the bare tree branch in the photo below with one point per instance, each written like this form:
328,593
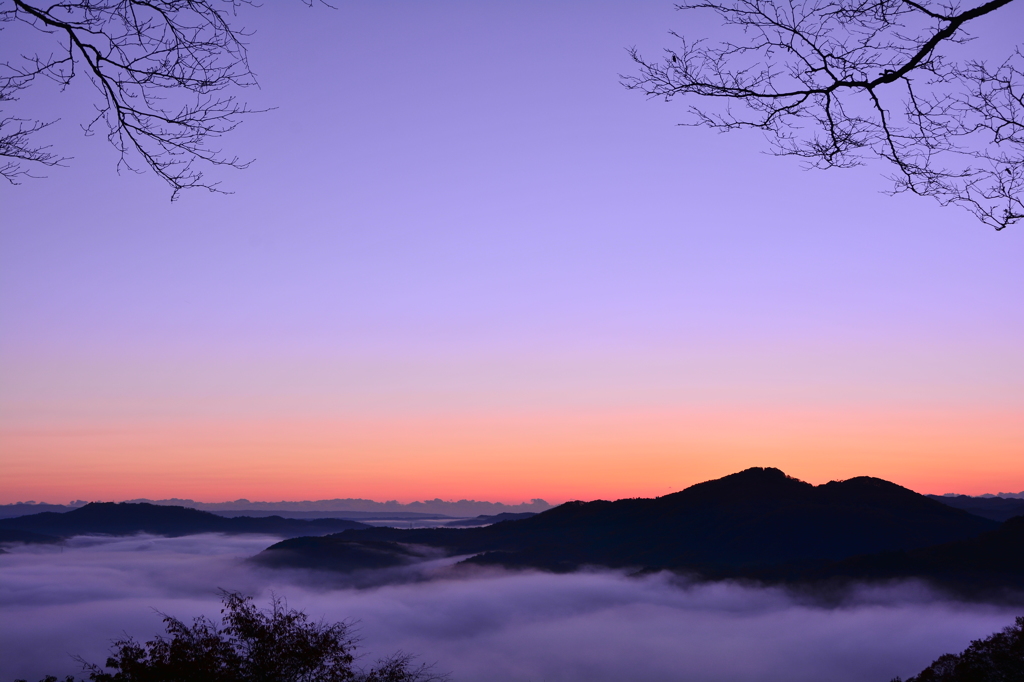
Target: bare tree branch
16,143
835,82
162,69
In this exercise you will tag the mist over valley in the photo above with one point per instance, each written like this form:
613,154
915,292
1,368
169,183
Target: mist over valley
755,576
488,625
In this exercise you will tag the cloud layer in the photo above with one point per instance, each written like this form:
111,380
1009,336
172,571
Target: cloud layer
491,625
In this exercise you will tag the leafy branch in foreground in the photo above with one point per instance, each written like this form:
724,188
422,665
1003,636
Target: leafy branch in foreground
250,645
835,82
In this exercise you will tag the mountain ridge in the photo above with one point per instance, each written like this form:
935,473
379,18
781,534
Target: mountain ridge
989,507
736,525
990,564
127,518
435,508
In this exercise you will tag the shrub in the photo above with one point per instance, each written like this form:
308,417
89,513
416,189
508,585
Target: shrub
249,645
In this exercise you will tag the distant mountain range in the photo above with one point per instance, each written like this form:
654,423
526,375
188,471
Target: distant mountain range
1019,495
759,523
355,508
353,515
9,511
486,520
109,518
325,508
991,507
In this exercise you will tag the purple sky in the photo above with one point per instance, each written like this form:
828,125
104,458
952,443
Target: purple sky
457,209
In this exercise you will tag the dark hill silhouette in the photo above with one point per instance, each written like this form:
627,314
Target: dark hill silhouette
24,536
8,511
731,526
333,551
109,518
487,519
351,515
986,565
995,508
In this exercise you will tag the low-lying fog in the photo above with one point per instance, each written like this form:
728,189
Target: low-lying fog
495,626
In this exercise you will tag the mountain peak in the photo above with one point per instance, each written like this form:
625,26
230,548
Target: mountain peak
752,483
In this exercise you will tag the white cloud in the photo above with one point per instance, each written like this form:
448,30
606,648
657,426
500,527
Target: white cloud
483,625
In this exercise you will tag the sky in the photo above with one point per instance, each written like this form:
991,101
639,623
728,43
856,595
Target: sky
467,263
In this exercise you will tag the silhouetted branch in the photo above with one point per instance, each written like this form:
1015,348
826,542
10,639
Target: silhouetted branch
399,668
162,69
836,81
16,143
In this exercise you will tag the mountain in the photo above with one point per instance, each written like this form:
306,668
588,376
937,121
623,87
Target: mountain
8,511
986,565
24,536
995,508
351,515
487,519
348,508
109,518
433,508
732,526
335,552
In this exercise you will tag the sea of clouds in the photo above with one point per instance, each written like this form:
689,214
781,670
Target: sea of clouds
75,599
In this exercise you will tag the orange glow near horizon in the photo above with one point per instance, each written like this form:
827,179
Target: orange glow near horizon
510,459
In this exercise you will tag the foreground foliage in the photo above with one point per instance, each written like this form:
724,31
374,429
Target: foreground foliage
250,645
999,658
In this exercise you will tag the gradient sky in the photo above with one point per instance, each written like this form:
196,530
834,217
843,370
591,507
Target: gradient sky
468,264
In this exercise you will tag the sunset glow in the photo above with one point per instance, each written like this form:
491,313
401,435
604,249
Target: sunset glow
499,281
508,458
